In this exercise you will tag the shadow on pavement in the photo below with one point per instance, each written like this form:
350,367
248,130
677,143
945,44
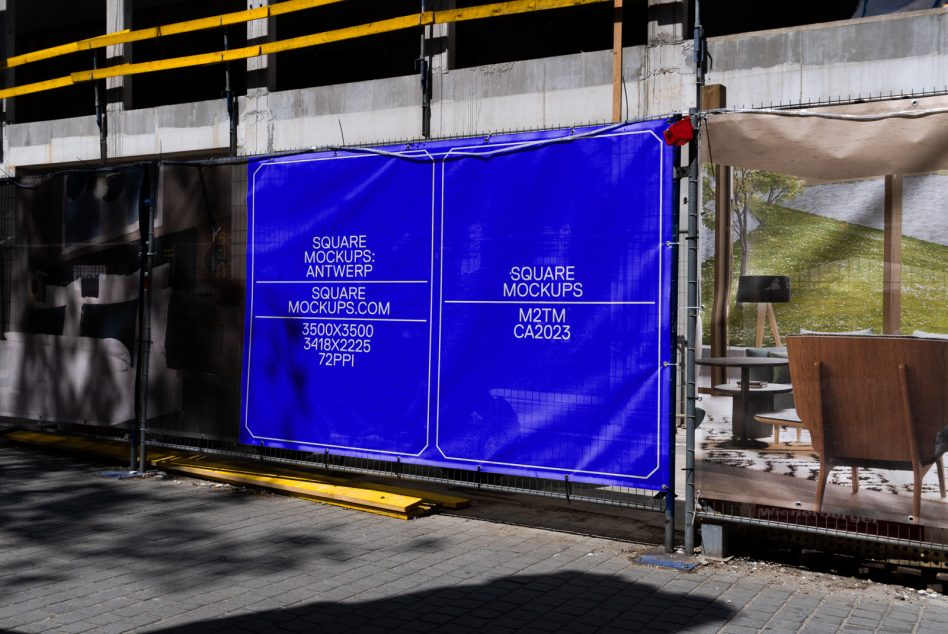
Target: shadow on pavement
62,524
578,602
59,517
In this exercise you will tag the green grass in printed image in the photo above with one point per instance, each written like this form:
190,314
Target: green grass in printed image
835,271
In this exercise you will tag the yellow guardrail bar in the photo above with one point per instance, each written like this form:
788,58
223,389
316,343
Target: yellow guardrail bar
373,28
201,24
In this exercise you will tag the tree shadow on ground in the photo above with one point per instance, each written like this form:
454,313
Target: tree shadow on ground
59,517
564,601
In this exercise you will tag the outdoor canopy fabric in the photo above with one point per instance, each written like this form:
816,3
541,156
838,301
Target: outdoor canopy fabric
903,136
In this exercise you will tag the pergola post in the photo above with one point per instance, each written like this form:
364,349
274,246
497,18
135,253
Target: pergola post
892,257
715,96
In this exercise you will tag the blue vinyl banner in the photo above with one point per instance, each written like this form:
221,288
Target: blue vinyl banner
501,303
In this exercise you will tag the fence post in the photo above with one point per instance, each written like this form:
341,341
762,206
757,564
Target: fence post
694,191
147,233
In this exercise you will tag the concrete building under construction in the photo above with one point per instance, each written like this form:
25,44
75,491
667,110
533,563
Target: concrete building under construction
537,70
136,135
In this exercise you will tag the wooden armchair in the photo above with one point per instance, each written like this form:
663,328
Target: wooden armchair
873,402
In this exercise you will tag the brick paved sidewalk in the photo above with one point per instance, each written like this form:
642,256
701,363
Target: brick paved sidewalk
80,552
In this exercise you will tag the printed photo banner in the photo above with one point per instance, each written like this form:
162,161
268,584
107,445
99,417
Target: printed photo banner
500,303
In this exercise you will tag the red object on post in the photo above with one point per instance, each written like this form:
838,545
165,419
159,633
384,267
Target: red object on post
680,133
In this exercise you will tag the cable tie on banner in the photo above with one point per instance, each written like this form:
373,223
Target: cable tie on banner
669,243
666,364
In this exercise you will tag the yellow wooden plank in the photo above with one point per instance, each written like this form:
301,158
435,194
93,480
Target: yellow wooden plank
205,465
441,499
498,9
111,39
55,51
452,502
350,495
337,35
282,8
188,26
362,30
71,443
210,474
201,59
94,446
39,86
347,33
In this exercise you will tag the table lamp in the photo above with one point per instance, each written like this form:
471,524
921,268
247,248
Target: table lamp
765,291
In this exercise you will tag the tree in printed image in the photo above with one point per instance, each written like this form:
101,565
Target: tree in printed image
753,191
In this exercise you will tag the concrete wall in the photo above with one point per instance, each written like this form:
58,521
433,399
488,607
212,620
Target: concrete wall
895,54
898,53
924,203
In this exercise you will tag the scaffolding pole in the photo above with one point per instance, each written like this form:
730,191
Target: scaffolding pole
694,190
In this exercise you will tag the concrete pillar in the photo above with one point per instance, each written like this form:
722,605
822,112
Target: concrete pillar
118,16
439,47
254,133
666,71
892,257
435,54
667,21
260,70
118,90
440,39
8,48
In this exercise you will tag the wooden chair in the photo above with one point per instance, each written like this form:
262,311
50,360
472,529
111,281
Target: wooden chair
872,401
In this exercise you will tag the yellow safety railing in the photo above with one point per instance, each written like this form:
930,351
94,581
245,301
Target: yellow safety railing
189,26
373,28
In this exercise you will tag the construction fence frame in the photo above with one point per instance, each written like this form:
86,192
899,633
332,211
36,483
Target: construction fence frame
798,529
842,530
842,533
210,401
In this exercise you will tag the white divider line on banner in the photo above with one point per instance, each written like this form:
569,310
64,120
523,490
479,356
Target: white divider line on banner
314,318
350,281
557,303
